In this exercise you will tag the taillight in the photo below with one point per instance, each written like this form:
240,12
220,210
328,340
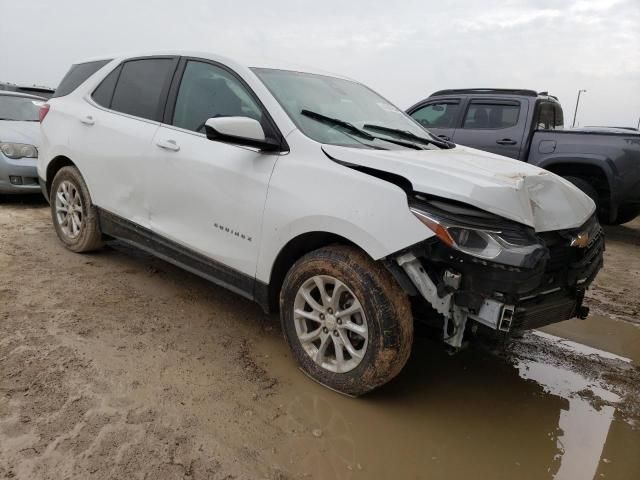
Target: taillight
44,109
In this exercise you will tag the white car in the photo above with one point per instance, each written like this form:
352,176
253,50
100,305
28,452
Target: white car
19,139
313,195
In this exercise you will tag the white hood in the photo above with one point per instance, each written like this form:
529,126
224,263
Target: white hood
20,132
508,188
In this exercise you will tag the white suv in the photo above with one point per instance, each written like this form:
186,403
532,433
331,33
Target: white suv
313,195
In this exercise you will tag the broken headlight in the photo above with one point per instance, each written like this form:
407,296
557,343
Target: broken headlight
481,234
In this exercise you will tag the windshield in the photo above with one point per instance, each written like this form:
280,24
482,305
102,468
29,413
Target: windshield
342,112
22,109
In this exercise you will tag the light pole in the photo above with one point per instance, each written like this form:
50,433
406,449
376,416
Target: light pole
576,111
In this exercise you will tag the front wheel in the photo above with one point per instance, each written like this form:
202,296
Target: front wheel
346,320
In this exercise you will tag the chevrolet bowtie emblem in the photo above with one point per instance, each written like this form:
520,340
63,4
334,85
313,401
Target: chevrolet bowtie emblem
581,240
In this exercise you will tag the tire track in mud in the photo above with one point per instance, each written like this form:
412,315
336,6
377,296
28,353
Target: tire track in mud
109,370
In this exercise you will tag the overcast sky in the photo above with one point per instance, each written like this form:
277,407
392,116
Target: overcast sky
404,49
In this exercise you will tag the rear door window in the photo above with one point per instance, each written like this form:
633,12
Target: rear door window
142,86
483,114
438,115
76,75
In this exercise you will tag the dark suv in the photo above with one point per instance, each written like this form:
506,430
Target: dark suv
529,126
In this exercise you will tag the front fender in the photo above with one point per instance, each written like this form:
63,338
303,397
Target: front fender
311,193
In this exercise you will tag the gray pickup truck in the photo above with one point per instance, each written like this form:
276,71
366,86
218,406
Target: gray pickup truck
529,126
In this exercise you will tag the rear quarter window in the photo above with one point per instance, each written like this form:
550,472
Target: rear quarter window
104,93
76,75
549,116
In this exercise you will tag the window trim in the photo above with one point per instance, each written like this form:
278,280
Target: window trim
490,101
172,98
163,93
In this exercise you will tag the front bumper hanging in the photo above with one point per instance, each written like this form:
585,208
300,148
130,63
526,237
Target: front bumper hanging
555,293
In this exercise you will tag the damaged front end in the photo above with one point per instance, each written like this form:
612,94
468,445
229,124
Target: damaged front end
494,272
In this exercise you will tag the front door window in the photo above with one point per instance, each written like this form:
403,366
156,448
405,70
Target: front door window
208,91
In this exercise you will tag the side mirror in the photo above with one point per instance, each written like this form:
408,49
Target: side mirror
239,130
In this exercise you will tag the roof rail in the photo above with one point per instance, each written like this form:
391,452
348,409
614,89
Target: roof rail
507,91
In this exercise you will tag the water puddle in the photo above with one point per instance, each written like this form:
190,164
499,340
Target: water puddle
579,348
607,334
584,428
473,415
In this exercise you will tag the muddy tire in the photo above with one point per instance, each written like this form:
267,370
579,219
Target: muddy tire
355,336
626,213
73,214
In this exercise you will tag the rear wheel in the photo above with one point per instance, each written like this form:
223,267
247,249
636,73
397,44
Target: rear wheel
587,188
626,213
74,216
346,320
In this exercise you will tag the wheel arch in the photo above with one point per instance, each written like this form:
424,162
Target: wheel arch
290,253
574,163
53,167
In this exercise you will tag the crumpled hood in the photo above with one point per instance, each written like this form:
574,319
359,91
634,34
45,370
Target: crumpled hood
509,188
20,132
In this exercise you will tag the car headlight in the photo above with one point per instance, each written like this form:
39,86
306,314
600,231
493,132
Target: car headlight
18,150
498,241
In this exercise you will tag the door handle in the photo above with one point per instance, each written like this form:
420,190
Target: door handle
506,141
444,137
87,120
168,145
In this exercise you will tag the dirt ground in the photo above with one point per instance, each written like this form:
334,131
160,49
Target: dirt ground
118,365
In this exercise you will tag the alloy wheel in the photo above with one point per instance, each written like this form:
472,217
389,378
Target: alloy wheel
69,209
330,323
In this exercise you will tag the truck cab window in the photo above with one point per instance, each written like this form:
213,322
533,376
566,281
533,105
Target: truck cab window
437,115
488,115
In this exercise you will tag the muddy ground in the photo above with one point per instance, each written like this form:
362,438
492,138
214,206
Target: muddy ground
118,365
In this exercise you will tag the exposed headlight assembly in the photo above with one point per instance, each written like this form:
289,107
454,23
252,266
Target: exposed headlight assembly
513,246
18,150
